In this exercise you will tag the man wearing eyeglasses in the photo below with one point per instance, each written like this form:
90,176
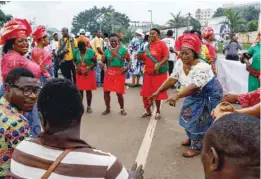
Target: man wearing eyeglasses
21,90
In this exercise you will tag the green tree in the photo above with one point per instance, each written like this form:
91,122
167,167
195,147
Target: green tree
250,13
233,20
195,24
177,21
219,12
4,17
95,18
252,25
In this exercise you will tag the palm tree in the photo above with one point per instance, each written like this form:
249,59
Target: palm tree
233,19
177,21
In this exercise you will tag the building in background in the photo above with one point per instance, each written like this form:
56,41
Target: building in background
232,5
145,26
203,15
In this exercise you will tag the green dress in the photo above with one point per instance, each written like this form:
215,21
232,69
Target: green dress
253,82
116,62
88,60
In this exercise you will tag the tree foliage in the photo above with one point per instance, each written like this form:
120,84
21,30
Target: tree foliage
233,20
95,18
177,20
219,12
4,17
252,25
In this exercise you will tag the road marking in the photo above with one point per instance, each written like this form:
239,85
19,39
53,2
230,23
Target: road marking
147,140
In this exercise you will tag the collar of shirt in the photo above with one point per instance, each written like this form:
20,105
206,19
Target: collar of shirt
4,103
61,142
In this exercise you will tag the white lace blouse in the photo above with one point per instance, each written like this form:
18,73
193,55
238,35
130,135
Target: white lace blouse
199,74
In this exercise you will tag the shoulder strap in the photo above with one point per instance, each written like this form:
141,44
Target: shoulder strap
150,55
56,163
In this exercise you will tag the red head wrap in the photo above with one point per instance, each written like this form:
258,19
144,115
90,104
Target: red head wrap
191,41
39,33
16,28
208,31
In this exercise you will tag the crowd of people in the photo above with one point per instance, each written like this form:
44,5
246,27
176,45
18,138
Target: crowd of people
41,113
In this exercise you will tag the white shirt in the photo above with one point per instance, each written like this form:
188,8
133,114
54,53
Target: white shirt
199,74
170,42
54,44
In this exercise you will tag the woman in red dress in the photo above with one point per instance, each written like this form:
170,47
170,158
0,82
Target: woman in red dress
41,56
155,57
114,79
85,63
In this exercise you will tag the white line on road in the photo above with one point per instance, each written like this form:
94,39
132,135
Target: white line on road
147,140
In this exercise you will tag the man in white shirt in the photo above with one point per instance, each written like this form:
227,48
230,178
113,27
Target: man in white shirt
170,42
54,46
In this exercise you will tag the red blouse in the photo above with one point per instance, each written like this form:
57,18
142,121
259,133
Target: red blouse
249,99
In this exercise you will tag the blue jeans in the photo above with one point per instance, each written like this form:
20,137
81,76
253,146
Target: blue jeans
32,117
43,79
98,75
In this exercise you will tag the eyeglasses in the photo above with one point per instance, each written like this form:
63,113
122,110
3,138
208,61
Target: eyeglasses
153,35
27,91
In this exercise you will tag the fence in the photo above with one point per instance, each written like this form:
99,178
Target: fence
247,37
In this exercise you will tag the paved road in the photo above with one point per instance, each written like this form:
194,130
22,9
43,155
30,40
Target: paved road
124,137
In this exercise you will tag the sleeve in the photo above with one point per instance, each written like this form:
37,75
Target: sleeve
38,58
177,70
13,136
116,171
226,46
200,77
249,99
240,46
97,43
165,50
250,51
75,43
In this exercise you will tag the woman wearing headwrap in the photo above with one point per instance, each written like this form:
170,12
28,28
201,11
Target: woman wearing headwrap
254,67
41,56
209,38
155,58
201,90
14,39
114,80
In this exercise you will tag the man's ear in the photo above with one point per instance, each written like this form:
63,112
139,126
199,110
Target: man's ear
214,159
7,88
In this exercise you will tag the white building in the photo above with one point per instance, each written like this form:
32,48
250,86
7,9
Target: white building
203,15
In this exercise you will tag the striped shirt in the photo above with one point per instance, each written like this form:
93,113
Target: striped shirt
32,158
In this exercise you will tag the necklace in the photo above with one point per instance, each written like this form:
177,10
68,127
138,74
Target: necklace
82,59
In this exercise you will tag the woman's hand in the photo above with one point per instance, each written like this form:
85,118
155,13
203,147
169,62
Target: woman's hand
222,109
86,71
231,98
79,71
156,68
173,101
154,96
124,70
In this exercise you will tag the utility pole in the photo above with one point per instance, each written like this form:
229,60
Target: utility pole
151,24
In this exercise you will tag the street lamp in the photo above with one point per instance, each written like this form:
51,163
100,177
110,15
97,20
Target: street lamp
150,18
189,17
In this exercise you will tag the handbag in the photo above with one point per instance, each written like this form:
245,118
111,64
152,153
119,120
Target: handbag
56,163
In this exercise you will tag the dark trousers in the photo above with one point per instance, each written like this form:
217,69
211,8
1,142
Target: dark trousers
56,68
171,66
102,76
232,57
68,70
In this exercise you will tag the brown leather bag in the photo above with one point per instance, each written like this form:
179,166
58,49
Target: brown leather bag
56,163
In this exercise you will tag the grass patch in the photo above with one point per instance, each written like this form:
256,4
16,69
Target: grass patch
246,46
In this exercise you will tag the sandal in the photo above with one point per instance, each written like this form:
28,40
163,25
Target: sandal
186,142
157,116
107,111
89,110
191,153
145,114
123,112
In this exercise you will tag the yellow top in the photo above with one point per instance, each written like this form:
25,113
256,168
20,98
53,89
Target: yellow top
69,56
96,44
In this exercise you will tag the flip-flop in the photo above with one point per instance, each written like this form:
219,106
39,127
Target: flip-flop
158,116
89,111
107,111
191,153
145,114
123,113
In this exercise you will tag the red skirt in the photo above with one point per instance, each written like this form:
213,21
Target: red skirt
88,82
151,84
114,80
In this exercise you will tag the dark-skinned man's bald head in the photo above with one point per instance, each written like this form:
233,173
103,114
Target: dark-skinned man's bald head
231,148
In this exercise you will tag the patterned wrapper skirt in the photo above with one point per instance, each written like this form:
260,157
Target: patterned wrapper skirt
114,80
151,83
195,115
88,82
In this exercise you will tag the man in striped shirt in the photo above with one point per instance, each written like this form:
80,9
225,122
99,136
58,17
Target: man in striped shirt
60,107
